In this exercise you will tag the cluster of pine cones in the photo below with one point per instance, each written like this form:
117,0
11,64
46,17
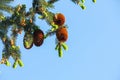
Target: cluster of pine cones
37,37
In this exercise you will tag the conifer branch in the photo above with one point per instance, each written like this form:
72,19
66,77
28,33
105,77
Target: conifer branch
4,6
21,20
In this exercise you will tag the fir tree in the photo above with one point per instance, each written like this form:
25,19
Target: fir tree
20,20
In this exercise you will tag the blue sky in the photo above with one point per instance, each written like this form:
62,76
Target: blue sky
94,46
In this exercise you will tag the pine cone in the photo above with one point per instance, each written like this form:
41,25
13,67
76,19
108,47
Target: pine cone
59,19
28,40
38,37
62,34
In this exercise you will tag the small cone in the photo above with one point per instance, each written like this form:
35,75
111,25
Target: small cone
28,40
62,34
59,19
38,37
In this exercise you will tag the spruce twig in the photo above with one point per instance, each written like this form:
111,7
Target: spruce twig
21,20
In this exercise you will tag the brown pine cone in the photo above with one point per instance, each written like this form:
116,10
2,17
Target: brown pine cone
38,37
59,19
62,34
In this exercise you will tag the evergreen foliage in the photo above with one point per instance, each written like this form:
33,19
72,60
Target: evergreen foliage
20,20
